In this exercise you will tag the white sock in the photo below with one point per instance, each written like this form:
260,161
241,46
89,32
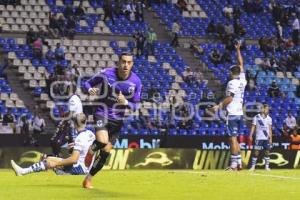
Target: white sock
267,162
254,160
36,167
234,161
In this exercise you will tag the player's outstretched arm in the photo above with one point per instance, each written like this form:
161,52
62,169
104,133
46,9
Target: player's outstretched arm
90,84
239,56
271,134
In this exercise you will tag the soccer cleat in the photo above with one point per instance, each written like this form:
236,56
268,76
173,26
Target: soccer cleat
230,169
18,170
252,169
239,167
268,169
87,183
88,158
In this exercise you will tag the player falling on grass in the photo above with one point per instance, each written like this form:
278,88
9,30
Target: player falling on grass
121,90
262,129
233,103
65,132
74,164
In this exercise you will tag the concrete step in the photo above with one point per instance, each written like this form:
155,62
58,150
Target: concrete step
25,95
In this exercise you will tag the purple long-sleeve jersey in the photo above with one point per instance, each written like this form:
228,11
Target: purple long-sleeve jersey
110,86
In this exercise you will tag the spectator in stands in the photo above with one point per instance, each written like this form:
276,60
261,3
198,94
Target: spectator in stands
285,18
50,55
236,12
181,5
38,126
265,64
239,30
139,11
68,12
279,30
189,76
220,30
140,40
30,36
247,6
289,124
295,27
118,8
196,48
251,81
75,72
263,45
151,38
226,57
257,6
290,121
61,23
277,12
59,52
211,29
79,12
108,10
43,35
129,10
298,95
228,11
70,28
38,48
274,90
8,117
24,125
228,28
276,66
215,56
53,25
175,31
294,139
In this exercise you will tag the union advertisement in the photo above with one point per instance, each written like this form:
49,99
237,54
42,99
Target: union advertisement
126,159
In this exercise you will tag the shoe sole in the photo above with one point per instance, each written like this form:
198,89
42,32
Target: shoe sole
15,168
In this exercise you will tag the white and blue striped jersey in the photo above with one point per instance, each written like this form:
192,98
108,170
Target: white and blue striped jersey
83,142
262,130
236,87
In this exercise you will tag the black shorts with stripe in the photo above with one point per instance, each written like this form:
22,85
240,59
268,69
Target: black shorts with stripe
113,127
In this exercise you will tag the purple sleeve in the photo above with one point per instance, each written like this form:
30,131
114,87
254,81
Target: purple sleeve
95,80
134,102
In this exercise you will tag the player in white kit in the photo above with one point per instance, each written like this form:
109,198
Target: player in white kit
233,104
65,133
74,164
262,129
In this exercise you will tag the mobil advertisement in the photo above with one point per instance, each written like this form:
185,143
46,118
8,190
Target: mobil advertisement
167,158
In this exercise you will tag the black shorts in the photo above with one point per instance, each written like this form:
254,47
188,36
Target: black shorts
113,127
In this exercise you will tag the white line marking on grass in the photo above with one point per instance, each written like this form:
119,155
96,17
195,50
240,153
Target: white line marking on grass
275,176
189,172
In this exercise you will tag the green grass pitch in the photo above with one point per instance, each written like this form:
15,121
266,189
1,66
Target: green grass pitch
154,185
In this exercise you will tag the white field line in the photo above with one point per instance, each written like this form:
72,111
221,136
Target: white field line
252,174
188,172
275,176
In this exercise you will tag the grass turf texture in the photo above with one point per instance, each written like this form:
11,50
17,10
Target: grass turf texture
131,185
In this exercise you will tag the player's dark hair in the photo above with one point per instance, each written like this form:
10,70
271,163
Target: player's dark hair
125,53
235,70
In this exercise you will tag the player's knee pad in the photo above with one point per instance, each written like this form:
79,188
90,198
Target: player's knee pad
97,145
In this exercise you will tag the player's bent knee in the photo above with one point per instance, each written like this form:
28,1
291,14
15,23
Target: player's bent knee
108,147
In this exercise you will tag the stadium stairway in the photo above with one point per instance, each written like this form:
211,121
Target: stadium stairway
185,53
27,98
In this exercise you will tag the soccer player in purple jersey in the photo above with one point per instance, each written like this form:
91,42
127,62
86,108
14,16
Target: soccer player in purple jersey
120,89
